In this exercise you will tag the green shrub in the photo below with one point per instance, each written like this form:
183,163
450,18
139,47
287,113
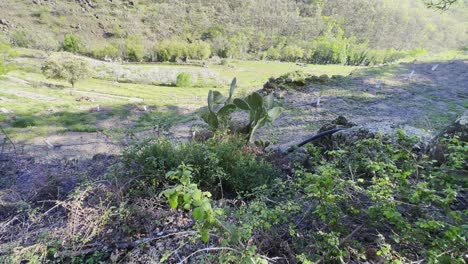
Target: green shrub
71,43
23,122
273,53
174,50
134,48
292,53
108,51
184,80
218,165
199,50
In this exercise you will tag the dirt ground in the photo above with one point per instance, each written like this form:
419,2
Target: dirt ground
425,96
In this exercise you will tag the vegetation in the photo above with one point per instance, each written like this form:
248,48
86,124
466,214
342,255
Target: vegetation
66,67
354,33
221,166
158,157
184,80
71,43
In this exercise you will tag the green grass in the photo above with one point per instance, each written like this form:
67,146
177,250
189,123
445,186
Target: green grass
43,106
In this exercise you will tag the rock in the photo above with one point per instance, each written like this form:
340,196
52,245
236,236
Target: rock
339,122
459,128
202,135
4,22
373,130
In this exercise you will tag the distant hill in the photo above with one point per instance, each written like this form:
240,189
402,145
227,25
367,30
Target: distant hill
234,28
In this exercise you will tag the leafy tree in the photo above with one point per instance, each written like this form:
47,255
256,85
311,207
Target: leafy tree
134,48
71,43
292,53
66,67
273,53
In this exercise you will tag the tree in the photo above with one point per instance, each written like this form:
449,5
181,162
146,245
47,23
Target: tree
66,67
134,48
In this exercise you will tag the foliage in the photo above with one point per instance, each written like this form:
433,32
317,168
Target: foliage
174,50
71,43
292,53
134,48
184,80
219,107
66,67
273,53
187,195
219,165
108,51
261,111
402,205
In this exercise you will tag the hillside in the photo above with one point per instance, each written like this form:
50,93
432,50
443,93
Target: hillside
236,29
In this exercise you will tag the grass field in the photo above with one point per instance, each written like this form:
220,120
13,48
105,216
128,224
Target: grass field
33,105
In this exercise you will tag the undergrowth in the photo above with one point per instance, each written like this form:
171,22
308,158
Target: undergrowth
376,200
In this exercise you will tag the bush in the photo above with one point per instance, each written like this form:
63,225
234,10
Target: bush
71,43
184,80
219,165
108,51
199,50
134,48
292,53
273,53
174,50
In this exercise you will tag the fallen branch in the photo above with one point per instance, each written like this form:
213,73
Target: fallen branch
328,132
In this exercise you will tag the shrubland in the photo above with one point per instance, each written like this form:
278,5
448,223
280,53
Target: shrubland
374,200
358,32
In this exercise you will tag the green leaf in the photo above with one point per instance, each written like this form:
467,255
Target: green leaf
205,234
225,109
275,113
206,206
197,195
213,120
198,214
231,90
218,98
173,200
187,197
255,100
242,104
210,100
